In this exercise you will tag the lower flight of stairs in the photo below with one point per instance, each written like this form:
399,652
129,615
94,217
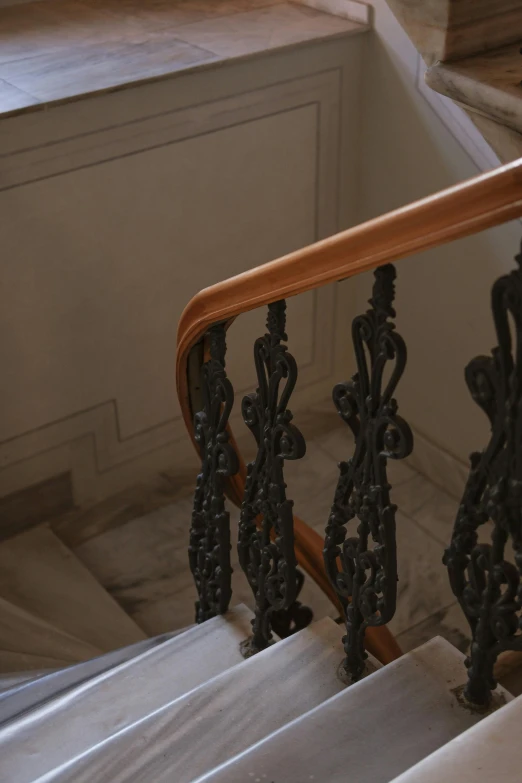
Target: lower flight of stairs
86,697
190,708
53,611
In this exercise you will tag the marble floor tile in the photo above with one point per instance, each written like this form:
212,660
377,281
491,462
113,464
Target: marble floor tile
449,622
264,29
144,563
338,441
423,586
78,526
427,505
311,484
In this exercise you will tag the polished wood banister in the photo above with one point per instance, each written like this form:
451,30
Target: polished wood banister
465,209
482,202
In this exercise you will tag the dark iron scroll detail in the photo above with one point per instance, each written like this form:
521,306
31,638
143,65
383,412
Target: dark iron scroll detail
363,567
487,585
266,553
285,622
209,549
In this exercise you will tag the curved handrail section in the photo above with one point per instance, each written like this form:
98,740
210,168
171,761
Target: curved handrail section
460,211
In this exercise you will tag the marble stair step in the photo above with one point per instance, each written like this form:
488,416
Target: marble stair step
16,662
489,84
85,716
39,574
369,733
24,633
9,682
24,692
488,751
218,720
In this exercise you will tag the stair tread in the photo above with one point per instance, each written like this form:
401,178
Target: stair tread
485,752
39,574
219,719
24,696
23,632
78,719
489,83
371,732
10,681
18,662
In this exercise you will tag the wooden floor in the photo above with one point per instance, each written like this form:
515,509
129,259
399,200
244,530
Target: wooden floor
59,50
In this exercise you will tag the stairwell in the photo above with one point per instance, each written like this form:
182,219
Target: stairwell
105,678
473,54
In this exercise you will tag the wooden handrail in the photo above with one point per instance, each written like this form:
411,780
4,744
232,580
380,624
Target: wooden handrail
465,209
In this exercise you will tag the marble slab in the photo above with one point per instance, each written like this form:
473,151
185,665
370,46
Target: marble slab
23,632
486,752
144,563
105,705
18,662
8,682
448,622
12,98
428,506
222,718
348,9
261,30
27,695
424,520
40,575
57,26
371,732
490,83
423,587
451,29
507,143
63,49
56,77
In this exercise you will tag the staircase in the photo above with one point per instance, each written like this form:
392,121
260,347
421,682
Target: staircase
473,53
265,693
158,710
190,708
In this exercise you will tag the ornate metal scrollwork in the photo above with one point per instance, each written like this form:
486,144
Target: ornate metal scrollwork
209,549
286,622
365,575
267,554
489,587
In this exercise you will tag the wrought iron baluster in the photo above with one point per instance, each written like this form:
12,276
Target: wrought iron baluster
363,567
487,585
209,549
267,554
